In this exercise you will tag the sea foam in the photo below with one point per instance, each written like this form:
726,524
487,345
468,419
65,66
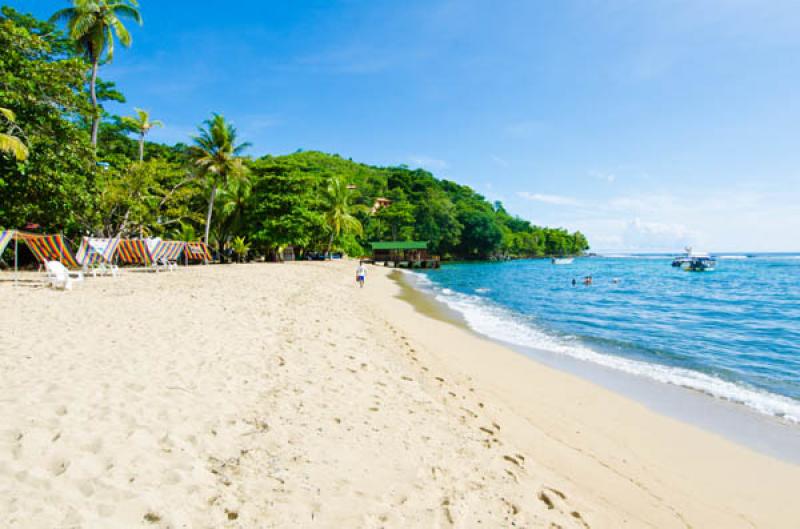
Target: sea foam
500,324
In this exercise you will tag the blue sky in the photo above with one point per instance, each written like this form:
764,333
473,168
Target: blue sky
647,125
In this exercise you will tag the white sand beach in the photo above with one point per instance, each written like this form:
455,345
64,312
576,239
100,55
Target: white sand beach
267,395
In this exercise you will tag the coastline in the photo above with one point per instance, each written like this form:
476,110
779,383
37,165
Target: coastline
267,395
610,442
766,434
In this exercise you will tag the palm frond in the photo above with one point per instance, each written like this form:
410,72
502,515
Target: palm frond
82,24
62,15
8,114
14,146
241,147
126,11
122,32
108,42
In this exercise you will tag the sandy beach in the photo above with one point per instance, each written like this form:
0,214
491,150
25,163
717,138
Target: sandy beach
267,395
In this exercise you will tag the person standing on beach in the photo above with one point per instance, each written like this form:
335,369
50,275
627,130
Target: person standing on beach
361,274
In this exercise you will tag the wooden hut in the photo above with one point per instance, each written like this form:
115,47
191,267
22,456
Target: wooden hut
403,254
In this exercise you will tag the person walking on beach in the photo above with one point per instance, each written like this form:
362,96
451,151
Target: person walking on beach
361,274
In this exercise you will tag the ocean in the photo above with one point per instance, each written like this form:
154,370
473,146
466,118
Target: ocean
733,334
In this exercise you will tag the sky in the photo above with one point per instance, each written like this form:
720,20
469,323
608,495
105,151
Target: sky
646,125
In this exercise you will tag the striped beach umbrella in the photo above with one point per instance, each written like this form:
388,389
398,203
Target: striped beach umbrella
48,248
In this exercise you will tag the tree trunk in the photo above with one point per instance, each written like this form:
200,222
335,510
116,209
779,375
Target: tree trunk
141,146
210,211
92,91
330,245
124,223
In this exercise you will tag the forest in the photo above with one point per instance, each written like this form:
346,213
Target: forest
69,166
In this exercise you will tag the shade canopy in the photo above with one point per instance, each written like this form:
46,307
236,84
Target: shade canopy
400,245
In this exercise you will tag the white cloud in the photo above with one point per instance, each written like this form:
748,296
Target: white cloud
649,235
556,200
741,219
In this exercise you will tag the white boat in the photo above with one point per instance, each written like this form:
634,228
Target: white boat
695,261
680,260
562,260
699,263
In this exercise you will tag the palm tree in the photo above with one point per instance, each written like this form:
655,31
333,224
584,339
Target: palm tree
186,233
141,124
232,199
92,24
339,216
10,143
216,154
240,247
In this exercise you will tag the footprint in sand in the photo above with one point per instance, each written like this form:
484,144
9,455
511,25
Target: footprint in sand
58,466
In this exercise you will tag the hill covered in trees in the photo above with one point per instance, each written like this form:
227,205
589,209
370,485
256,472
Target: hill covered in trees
457,221
71,182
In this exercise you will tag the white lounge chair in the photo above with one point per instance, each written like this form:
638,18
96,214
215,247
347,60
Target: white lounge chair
103,269
59,277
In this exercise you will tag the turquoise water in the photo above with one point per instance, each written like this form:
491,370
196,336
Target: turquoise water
733,333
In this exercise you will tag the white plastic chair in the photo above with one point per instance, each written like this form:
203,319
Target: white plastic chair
166,264
59,277
104,269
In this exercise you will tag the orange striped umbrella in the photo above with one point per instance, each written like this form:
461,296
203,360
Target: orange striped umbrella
134,251
48,248
198,251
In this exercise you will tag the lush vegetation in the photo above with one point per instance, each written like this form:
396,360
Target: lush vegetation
69,166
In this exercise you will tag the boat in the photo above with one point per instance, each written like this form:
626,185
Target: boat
562,260
679,261
699,263
695,261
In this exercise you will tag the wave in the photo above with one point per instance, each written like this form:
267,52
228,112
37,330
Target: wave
501,324
634,256
737,257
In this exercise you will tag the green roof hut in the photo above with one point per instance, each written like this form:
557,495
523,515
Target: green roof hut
404,254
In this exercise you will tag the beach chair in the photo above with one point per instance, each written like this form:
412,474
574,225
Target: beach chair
137,252
103,269
165,253
59,277
96,255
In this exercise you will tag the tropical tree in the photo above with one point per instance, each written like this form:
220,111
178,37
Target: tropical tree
141,124
232,201
285,207
9,142
93,24
240,247
216,154
186,233
55,186
339,213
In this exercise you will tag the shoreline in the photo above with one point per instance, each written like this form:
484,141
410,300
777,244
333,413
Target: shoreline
617,447
275,395
734,421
